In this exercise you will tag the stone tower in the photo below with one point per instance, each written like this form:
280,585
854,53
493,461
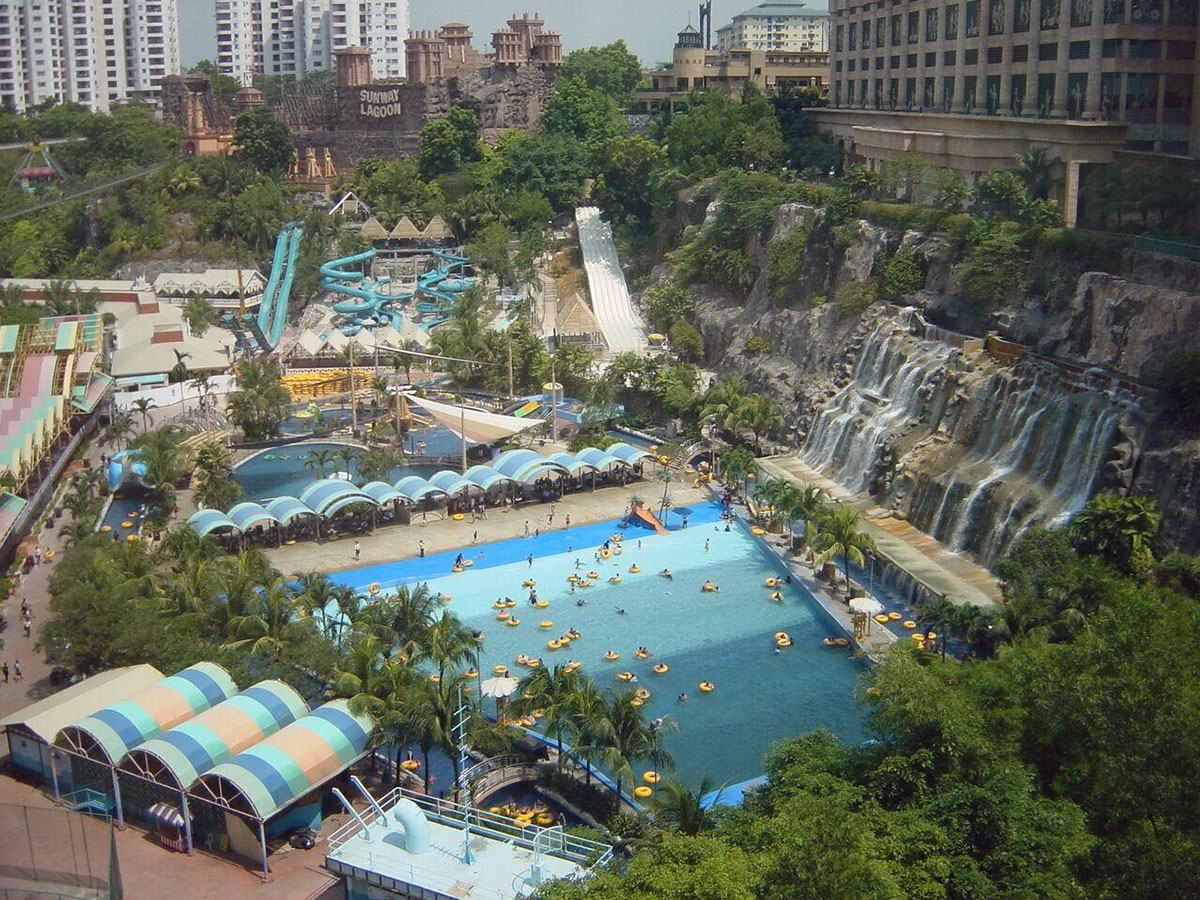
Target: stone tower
353,67
424,52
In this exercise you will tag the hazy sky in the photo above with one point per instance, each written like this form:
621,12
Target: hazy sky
648,26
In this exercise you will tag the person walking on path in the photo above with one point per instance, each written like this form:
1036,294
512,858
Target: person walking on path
357,550
526,528
568,520
550,521
4,671
421,549
17,674
529,559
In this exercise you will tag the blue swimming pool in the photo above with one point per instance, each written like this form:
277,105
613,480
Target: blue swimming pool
761,696
281,471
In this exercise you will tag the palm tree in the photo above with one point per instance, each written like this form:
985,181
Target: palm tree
143,405
392,698
1035,167
202,385
120,427
317,460
757,414
261,402
403,619
679,808
348,455
59,294
588,723
554,690
804,504
739,464
179,374
357,669
839,537
448,643
942,617
720,401
199,314
75,531
630,738
269,625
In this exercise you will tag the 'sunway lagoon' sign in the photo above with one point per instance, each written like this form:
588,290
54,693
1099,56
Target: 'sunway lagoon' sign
377,104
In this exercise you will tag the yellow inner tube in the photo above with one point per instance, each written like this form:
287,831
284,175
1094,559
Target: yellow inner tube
642,791
709,587
290,541
605,554
512,622
642,694
545,819
458,569
612,654
910,624
634,569
931,636
374,587
554,644
757,531
616,579
637,702
528,582
642,654
471,673
777,596
509,604
534,662
583,584
624,676
467,563
787,642
781,635
49,554
131,538
651,777
593,575
435,678
410,765
499,604
522,659
500,670
541,604
457,517
572,666
546,623
881,619
126,524
706,687
502,615
918,637
106,528
894,616
772,582
661,669
572,578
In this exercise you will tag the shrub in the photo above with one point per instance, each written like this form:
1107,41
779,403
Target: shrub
902,275
686,341
817,300
854,298
666,305
785,259
994,269
758,345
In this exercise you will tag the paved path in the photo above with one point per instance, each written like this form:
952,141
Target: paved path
610,296
924,559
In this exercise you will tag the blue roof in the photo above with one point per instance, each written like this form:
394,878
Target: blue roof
287,508
599,458
335,506
322,495
485,476
382,492
628,453
414,487
206,521
570,462
524,465
246,515
452,482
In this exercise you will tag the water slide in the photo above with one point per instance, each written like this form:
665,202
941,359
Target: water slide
649,519
440,284
369,305
614,310
267,327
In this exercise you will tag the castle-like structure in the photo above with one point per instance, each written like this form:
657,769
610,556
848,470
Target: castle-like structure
449,52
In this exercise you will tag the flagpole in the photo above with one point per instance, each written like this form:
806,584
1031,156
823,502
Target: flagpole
462,412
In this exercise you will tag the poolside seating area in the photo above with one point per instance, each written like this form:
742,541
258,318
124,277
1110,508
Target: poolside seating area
334,505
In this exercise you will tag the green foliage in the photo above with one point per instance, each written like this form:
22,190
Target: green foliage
804,146
262,142
666,305
554,165
624,188
861,181
611,69
449,143
853,298
686,341
261,402
1159,197
758,345
1119,530
716,132
584,113
948,191
395,188
213,483
904,216
786,258
994,268
902,275
224,86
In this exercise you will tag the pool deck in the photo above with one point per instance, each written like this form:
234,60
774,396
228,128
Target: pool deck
441,533
926,560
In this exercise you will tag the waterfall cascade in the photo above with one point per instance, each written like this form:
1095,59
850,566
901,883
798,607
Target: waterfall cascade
974,452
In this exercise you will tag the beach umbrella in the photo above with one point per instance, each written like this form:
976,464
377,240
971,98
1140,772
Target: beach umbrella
867,605
499,687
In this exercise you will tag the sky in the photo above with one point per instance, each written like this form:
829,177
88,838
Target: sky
648,26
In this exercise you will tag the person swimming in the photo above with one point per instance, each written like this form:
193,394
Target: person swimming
620,610
682,698
580,601
666,573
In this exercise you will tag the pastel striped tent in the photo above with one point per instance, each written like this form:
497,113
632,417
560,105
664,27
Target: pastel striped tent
108,734
287,765
177,757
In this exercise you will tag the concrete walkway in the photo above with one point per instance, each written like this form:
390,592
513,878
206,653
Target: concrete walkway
927,561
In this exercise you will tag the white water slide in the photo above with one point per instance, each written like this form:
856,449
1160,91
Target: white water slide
614,311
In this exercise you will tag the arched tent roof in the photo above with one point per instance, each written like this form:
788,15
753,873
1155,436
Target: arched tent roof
628,453
571,463
524,465
452,483
415,488
287,508
382,492
333,507
248,514
108,734
485,477
599,458
176,758
206,521
321,496
287,765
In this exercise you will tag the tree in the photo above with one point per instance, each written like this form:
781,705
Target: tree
678,807
584,113
612,69
718,132
757,414
667,304
1118,530
839,537
215,487
449,142
629,738
143,405
554,690
686,341
554,165
739,465
269,626
1035,168
624,186
224,86
261,402
262,142
199,315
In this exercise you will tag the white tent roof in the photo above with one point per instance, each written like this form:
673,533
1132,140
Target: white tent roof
477,425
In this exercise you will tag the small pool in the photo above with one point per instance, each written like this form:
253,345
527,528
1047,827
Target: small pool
282,472
760,695
125,508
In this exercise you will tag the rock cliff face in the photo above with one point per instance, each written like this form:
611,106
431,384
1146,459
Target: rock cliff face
975,439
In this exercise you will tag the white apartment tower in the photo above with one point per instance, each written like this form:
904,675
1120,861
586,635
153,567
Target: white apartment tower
93,52
785,26
295,37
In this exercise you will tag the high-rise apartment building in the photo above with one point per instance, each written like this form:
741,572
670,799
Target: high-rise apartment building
93,52
295,37
786,26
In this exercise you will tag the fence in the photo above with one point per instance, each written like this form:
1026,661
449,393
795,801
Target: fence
1171,248
44,847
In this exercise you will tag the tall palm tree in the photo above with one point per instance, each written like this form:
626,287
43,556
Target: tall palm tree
357,669
261,402
588,724
721,400
120,427
630,739
317,460
839,537
348,455
758,415
1035,167
448,643
738,465
554,690
203,385
393,699
403,619
143,405
943,617
804,504
677,807
269,625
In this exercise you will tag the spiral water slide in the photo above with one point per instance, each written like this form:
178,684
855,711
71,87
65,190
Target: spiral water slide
440,284
341,276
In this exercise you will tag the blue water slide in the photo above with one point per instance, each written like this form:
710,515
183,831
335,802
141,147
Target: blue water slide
267,327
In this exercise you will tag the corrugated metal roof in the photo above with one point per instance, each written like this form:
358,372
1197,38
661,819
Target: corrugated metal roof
217,735
49,716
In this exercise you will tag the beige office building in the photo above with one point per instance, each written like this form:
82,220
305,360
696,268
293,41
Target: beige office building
971,84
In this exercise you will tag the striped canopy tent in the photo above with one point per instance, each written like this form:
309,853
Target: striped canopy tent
206,521
416,488
177,757
331,495
382,492
249,514
525,466
108,734
285,509
452,483
476,426
599,459
572,463
486,477
275,772
629,453
11,507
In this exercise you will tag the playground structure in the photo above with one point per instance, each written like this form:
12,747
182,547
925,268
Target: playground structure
266,328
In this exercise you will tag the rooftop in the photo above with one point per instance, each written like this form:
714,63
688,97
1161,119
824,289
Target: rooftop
780,9
140,353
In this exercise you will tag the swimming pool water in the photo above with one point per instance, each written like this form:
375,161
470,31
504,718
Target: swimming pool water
284,473
727,637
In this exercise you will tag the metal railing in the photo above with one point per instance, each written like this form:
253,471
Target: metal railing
1171,248
578,850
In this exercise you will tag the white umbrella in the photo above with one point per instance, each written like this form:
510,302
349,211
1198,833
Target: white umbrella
868,605
499,687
